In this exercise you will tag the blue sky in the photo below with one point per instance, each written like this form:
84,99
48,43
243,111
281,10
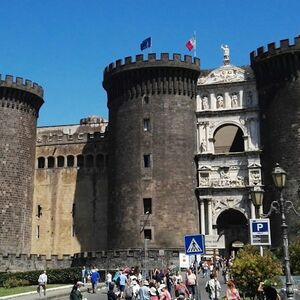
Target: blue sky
64,45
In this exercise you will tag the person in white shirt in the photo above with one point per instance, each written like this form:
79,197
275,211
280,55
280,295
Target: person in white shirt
42,281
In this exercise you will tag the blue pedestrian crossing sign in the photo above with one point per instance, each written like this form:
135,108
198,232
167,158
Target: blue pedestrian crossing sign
194,244
260,233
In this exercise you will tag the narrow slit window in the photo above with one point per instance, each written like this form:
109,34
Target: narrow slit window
147,160
146,124
147,234
147,202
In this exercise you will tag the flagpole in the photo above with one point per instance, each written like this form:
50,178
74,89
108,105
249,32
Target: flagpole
195,44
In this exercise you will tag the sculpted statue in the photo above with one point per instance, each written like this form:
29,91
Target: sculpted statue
220,101
226,51
205,102
234,100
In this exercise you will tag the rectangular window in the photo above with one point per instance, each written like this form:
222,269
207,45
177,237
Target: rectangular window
146,124
146,100
39,211
147,206
147,160
37,232
148,234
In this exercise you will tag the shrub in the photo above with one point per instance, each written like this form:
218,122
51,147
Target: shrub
14,282
69,275
250,268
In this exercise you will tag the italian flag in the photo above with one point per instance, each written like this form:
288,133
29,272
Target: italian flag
191,43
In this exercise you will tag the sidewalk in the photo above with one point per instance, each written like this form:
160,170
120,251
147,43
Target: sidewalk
52,293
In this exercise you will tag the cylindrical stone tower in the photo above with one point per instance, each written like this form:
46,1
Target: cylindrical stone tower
277,72
19,106
152,135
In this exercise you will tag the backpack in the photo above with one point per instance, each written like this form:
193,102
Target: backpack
128,292
207,288
181,291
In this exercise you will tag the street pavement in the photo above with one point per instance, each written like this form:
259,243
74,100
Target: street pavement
62,293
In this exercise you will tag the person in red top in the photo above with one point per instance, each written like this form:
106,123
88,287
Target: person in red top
181,289
165,295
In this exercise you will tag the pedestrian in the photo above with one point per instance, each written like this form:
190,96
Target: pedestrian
122,283
231,292
94,279
213,287
268,290
108,279
84,274
181,289
177,278
128,291
144,292
153,293
111,295
76,293
136,289
42,282
191,283
165,295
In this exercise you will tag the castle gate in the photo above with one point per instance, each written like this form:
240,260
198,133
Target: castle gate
234,225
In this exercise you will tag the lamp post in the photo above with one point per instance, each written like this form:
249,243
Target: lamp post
146,258
257,197
279,179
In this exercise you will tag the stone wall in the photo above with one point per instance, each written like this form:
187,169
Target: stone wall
153,162
19,106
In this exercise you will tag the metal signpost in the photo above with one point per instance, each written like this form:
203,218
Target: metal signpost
260,233
194,245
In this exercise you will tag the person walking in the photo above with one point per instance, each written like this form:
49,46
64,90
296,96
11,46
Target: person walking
94,279
144,292
76,293
84,274
213,287
191,283
111,295
42,282
231,292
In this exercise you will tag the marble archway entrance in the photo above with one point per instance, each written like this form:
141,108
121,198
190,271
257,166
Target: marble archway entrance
234,226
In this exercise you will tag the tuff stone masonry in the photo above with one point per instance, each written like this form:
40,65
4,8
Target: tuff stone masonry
178,156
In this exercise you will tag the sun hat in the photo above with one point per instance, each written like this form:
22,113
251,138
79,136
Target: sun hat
146,282
153,291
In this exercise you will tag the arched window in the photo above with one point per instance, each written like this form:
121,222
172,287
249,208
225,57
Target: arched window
41,162
80,160
50,162
100,161
89,161
60,161
228,138
70,161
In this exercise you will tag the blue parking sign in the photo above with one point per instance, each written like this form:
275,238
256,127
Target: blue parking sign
260,233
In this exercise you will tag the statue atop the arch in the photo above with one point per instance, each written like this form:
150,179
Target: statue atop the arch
226,50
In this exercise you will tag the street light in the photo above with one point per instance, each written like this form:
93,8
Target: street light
282,206
257,197
146,258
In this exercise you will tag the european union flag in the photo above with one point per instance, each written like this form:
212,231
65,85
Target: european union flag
146,43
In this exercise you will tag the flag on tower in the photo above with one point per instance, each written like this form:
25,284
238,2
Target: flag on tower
147,43
191,43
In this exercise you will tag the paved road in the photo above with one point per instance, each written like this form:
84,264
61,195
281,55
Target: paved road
62,293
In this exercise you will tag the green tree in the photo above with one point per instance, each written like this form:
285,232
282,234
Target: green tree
294,251
250,268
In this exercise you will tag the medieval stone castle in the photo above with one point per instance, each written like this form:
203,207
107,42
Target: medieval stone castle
179,155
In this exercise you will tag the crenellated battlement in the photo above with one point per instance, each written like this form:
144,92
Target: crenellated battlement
276,65
284,47
21,83
152,61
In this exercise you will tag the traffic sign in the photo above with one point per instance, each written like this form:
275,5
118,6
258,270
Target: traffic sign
215,241
260,233
194,244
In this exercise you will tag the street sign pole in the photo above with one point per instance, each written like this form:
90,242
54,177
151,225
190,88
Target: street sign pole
194,245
